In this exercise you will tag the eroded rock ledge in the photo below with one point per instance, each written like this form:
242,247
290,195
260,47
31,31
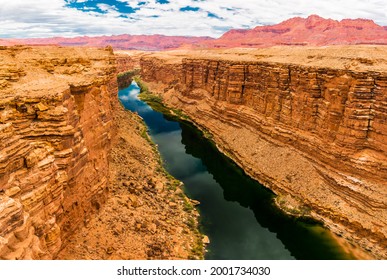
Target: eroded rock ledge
311,124
55,131
72,178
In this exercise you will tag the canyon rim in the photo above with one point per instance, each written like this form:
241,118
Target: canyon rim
303,127
298,111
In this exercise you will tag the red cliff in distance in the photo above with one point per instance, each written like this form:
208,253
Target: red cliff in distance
312,31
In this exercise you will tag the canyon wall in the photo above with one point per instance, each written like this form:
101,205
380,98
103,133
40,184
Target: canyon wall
127,61
56,109
314,133
127,67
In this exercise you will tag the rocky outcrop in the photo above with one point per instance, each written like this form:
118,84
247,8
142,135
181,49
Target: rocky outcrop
314,133
56,109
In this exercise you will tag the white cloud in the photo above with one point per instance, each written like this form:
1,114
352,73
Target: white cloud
46,18
106,7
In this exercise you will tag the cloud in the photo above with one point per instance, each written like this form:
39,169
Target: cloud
68,18
188,8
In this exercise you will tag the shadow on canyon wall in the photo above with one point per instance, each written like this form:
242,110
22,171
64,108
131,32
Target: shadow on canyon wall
240,188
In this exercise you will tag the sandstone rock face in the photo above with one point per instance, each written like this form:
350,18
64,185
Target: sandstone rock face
315,133
55,128
127,62
128,66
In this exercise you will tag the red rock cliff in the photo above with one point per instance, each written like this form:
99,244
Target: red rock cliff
55,129
312,128
311,31
126,62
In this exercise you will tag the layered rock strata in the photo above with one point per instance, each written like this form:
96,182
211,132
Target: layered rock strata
56,109
312,128
127,62
146,214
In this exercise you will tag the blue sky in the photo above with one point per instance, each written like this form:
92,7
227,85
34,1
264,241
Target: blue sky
69,18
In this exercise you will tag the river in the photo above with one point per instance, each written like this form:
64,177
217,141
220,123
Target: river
237,213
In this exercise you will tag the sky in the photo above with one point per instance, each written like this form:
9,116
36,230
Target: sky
70,18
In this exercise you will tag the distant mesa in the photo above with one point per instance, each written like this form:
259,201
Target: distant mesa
120,42
311,31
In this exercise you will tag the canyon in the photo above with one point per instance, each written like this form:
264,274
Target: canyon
307,122
71,163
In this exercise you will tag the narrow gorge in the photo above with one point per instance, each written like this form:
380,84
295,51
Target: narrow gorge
308,123
81,179
72,178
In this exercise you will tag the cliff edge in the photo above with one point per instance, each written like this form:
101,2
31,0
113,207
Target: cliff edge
72,178
309,123
55,130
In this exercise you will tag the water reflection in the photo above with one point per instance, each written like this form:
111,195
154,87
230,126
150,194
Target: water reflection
236,212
